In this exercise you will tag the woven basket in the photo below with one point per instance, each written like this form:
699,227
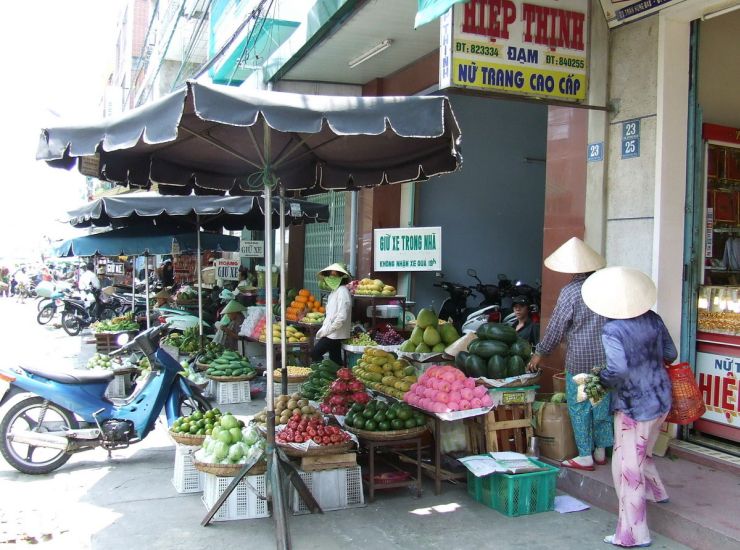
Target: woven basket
228,470
393,435
232,378
187,439
687,403
200,367
317,451
291,379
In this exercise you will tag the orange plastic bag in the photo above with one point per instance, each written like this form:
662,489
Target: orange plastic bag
687,404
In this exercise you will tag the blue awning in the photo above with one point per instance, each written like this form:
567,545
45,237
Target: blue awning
140,240
429,10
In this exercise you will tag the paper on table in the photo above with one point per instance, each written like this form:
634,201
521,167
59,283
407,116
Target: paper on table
480,465
508,455
566,503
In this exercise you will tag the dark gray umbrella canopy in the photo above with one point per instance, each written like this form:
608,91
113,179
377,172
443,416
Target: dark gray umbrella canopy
211,139
212,213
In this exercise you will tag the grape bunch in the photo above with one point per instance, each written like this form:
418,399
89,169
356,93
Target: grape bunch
388,337
362,339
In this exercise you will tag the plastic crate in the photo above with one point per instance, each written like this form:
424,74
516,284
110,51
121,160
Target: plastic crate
277,388
333,489
232,392
516,494
117,386
243,503
186,478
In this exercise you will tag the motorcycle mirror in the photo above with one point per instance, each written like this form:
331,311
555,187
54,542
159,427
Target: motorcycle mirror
439,275
123,339
472,273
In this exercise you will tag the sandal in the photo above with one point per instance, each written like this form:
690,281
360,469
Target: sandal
570,463
609,539
601,462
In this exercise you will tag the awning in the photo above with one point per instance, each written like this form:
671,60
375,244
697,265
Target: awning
140,240
429,10
211,139
212,213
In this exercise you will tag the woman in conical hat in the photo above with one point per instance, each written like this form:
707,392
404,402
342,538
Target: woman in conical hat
162,298
580,329
637,345
338,321
231,331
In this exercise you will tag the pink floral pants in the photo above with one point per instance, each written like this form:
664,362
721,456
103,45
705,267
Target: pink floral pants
636,479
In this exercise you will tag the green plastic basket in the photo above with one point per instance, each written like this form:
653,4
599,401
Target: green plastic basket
516,494
352,358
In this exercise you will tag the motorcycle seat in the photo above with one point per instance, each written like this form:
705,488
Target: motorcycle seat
77,376
76,301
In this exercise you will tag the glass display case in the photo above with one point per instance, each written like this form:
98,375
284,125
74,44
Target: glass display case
719,309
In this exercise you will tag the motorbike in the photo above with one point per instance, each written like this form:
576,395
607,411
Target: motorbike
77,314
48,415
500,295
455,307
52,304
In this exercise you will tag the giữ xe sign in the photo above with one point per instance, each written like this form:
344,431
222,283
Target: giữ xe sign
536,48
407,249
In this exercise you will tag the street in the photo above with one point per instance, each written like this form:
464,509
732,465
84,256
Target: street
129,501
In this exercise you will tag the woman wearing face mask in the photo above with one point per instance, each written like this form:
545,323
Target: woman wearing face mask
338,321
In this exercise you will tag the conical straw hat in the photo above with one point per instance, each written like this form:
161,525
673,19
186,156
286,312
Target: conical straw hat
619,292
574,256
233,307
339,268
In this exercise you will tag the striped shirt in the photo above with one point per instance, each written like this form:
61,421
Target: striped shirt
581,328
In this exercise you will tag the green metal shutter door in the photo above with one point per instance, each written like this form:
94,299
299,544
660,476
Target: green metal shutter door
324,242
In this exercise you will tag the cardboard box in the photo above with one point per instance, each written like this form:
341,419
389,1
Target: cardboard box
554,431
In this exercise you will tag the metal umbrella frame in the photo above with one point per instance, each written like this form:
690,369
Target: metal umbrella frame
212,139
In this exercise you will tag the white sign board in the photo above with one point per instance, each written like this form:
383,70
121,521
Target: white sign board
227,270
717,376
251,249
623,11
516,47
407,249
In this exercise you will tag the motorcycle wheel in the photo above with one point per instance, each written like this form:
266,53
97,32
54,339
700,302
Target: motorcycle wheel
29,414
46,314
71,324
42,303
189,404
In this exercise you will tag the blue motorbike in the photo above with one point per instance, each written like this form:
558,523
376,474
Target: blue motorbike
47,415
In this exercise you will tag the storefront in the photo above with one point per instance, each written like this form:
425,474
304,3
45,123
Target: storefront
718,177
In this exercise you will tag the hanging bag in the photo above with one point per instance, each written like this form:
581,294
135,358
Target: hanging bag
687,404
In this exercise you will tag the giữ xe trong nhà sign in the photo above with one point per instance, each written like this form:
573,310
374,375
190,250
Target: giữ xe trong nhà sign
407,249
537,49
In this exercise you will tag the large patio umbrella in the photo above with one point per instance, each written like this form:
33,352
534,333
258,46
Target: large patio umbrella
216,139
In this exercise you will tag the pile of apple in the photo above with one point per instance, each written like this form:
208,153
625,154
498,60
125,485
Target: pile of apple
443,388
300,430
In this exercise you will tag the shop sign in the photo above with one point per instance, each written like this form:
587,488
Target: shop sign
407,249
251,249
630,139
227,270
623,11
718,376
516,47
113,269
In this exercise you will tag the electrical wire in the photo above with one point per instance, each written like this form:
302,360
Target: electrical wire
194,38
245,51
143,60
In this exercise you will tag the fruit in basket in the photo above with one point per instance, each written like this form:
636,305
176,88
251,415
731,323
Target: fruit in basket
303,304
313,318
377,415
343,392
443,388
235,445
117,324
322,375
448,333
285,407
374,287
300,429
382,371
230,364
198,423
293,372
497,331
100,361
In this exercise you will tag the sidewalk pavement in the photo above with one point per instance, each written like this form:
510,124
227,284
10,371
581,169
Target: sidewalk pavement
129,501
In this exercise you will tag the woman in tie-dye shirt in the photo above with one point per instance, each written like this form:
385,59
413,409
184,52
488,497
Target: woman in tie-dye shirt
637,346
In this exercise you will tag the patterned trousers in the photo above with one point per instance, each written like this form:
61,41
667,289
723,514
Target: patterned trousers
592,426
636,479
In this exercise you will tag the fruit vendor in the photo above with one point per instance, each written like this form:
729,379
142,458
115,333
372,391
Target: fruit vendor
337,324
162,298
573,322
231,331
525,327
637,344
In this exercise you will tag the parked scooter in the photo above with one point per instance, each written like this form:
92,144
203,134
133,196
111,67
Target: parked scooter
39,426
78,314
52,305
455,307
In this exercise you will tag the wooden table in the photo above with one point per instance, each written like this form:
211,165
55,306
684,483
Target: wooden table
395,447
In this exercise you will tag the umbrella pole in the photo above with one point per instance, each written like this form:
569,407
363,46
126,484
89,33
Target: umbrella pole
353,233
200,284
146,287
283,292
133,290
